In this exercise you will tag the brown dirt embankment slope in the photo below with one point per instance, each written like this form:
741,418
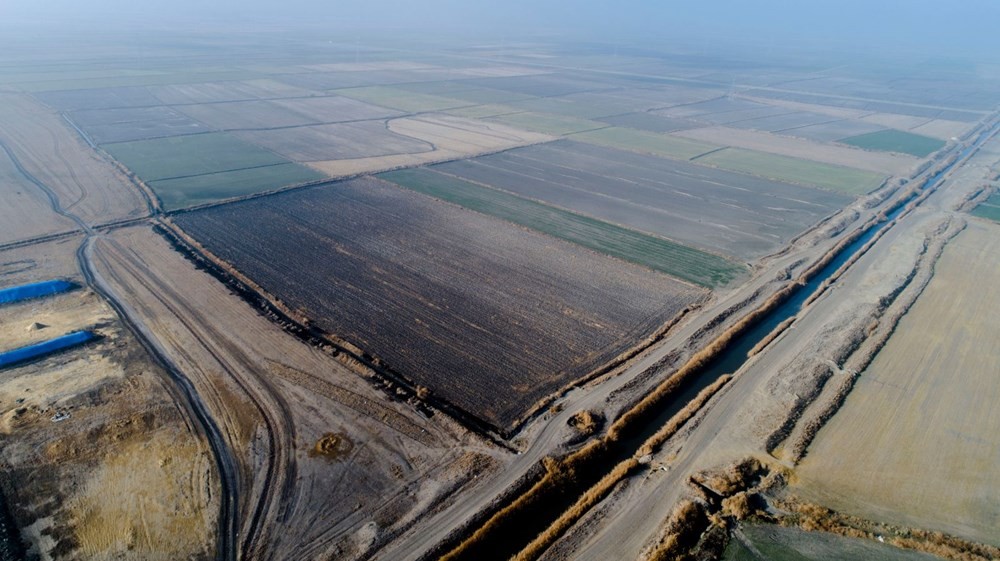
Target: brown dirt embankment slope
916,442
49,149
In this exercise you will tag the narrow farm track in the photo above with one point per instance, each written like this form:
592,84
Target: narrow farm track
181,389
273,496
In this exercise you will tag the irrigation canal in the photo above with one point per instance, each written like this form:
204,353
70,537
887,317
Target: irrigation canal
513,538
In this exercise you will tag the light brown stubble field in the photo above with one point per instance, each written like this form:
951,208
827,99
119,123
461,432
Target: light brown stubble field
915,443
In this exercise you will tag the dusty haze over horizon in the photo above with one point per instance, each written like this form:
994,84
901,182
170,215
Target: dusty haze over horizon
921,27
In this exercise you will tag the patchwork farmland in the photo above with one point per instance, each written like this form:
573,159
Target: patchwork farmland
193,169
489,316
345,257
735,215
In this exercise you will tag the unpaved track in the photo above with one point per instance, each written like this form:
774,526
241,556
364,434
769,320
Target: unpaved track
181,389
269,482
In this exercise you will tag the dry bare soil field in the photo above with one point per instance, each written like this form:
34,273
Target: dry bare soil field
489,316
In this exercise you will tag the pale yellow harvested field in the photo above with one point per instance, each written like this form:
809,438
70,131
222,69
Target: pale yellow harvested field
452,137
916,442
942,128
880,162
49,149
25,212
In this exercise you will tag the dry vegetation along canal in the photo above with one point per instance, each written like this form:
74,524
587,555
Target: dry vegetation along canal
565,228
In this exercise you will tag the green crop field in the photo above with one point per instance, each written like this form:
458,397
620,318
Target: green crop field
793,170
183,156
656,253
393,98
892,140
645,142
989,210
200,189
547,123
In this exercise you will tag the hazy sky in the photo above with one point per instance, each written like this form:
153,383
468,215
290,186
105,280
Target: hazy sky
949,25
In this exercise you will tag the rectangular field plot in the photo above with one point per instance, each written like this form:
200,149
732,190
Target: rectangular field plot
915,443
105,126
99,98
656,253
464,91
650,122
794,170
714,210
336,142
990,209
896,141
645,142
488,315
878,162
547,123
285,112
828,132
395,98
200,189
782,122
212,92
543,85
184,156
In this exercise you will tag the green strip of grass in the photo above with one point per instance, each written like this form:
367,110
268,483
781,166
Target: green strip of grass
987,211
793,170
645,142
209,188
656,253
892,140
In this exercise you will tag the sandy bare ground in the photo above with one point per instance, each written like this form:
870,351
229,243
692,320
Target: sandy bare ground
275,398
450,138
890,164
49,149
916,441
25,212
121,475
34,321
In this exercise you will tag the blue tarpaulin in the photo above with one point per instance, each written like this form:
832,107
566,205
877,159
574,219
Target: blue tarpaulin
34,290
46,347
